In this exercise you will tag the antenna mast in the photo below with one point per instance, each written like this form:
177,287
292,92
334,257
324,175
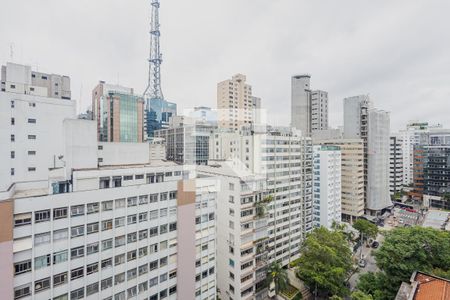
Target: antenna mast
153,90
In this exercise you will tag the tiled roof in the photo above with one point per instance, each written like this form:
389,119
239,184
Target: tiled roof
431,287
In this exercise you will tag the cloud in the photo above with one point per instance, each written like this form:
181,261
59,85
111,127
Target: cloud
396,51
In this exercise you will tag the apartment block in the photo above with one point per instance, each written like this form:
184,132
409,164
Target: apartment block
352,176
326,185
242,230
119,113
319,110
21,79
362,121
395,165
187,140
284,157
115,232
235,103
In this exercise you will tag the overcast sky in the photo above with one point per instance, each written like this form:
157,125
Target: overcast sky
396,51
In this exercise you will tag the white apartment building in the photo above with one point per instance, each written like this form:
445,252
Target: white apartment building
411,137
362,121
31,143
352,176
326,185
284,157
395,165
20,79
242,230
235,103
319,110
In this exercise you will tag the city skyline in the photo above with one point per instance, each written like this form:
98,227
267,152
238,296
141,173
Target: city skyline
344,58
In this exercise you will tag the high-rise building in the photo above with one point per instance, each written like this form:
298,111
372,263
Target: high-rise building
352,176
301,103
30,141
395,165
309,108
284,157
187,140
119,114
362,121
235,103
242,219
124,230
20,79
319,110
158,115
326,185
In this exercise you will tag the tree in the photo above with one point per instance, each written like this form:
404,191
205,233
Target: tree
278,275
325,262
404,251
366,228
358,295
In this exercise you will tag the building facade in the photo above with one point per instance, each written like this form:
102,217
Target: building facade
119,114
187,140
235,103
395,165
319,110
327,185
157,115
301,103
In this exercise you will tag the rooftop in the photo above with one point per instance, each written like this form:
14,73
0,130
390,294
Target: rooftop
424,287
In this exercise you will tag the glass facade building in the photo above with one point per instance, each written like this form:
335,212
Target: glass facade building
158,114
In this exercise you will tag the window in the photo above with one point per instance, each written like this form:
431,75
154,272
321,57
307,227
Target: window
154,214
163,196
107,244
153,198
132,201
31,136
119,259
92,268
120,203
13,138
13,121
131,219
163,261
172,274
12,172
76,231
13,154
132,291
77,294
107,205
153,281
143,286
143,217
119,222
231,186
92,228
22,219
92,248
92,208
131,274
92,289
60,278
42,261
163,229
153,248
173,195
77,252
143,199
59,257
139,176
61,234
42,216
22,267
163,277
77,210
127,177
31,152
62,297
42,284
22,291
173,226
143,251
106,263
31,169
163,212
119,241
153,265
42,238
153,231
163,294
143,234
131,255
143,269
172,290
119,278
60,213
32,121
76,273
107,225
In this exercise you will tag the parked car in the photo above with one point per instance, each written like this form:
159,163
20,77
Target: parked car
375,244
362,263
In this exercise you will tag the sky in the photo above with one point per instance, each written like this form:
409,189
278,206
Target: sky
398,52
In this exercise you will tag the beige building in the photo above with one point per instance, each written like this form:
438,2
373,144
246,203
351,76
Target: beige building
352,172
235,102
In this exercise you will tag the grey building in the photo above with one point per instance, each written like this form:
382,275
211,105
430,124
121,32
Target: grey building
319,110
395,165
